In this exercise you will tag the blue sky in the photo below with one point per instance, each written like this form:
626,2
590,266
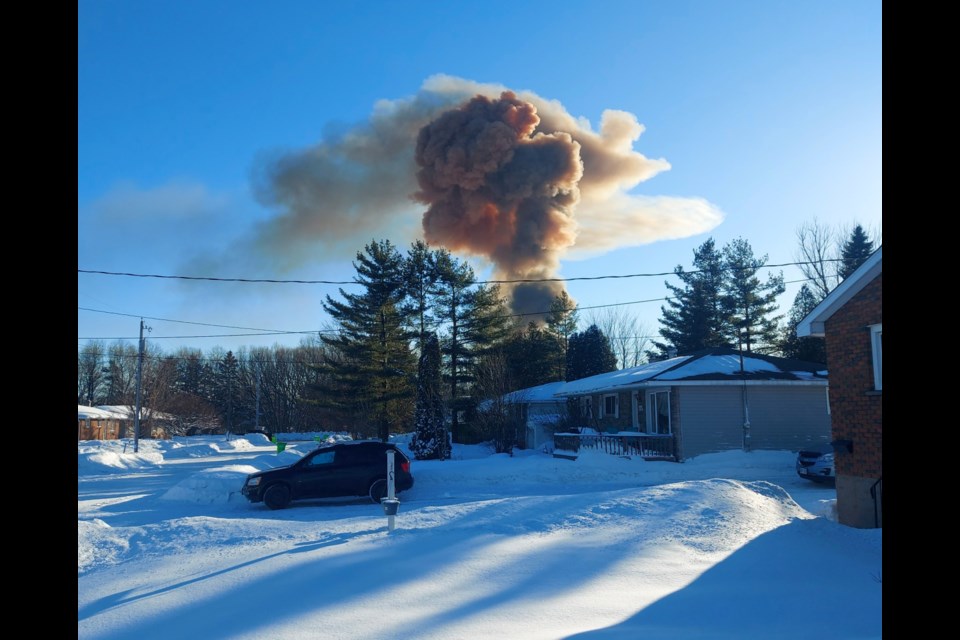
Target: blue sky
768,113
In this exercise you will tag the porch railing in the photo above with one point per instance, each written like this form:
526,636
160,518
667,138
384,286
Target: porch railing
646,445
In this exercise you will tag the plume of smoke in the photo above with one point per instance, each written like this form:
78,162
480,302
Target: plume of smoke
497,189
558,187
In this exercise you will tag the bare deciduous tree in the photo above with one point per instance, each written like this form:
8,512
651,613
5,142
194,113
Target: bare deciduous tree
495,420
121,377
90,376
817,253
629,338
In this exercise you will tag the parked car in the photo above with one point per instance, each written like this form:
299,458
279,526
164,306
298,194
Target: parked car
816,464
340,470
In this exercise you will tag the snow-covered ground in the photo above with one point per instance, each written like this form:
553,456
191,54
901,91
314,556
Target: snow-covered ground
730,545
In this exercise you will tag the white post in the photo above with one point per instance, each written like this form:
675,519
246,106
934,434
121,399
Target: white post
391,491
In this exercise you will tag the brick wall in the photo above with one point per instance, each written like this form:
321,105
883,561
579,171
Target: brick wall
856,408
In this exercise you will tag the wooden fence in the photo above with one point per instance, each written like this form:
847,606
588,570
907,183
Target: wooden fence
646,445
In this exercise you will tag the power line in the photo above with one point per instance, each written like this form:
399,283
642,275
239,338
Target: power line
212,335
202,324
478,282
271,332
267,332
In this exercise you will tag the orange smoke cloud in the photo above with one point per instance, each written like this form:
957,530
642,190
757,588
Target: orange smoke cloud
494,186
510,176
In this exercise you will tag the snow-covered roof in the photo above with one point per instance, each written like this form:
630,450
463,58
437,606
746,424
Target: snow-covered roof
813,323
97,413
717,365
541,393
619,378
117,412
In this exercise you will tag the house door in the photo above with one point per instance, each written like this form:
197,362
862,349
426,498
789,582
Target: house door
658,403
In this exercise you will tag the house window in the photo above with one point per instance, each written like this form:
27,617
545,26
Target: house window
610,407
876,343
659,414
586,407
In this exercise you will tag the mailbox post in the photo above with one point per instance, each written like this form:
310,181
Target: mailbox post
391,505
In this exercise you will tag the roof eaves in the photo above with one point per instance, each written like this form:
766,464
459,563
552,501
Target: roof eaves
814,322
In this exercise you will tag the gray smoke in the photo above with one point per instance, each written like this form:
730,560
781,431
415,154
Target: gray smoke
509,177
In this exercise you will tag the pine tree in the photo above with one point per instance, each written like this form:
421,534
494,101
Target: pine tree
474,319
194,374
227,391
695,317
419,279
526,352
372,371
855,251
562,323
430,439
750,303
792,346
455,278
589,354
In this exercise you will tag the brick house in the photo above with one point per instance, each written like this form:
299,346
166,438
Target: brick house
113,422
707,402
850,319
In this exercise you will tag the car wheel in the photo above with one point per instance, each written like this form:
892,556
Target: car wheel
378,490
277,496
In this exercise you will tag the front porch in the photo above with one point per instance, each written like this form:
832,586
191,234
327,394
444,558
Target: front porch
646,445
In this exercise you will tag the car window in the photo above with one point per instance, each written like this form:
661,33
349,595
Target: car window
325,457
357,455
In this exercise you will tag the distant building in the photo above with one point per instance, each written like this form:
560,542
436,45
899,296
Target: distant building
112,422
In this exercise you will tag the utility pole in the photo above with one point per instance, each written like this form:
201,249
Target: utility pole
136,417
746,406
256,418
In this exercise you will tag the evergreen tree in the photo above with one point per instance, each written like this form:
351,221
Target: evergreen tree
750,303
191,393
855,251
373,368
792,346
455,278
474,319
695,316
227,391
430,439
562,323
589,354
419,279
526,352
194,373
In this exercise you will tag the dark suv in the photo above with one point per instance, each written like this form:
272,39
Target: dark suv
344,469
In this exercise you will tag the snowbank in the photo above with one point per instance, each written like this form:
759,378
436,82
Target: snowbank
107,461
212,486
